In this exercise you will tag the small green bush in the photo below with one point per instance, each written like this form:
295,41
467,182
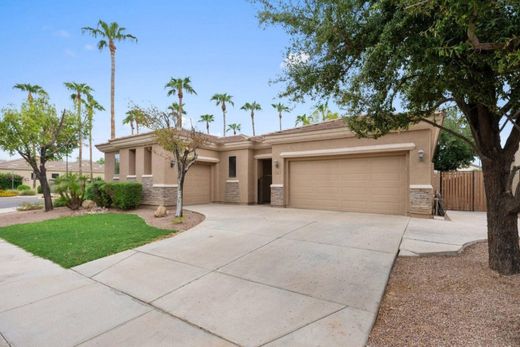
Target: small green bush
39,190
59,202
71,188
23,187
7,181
27,192
125,195
96,191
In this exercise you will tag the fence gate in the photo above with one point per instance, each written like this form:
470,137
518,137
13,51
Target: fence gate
462,191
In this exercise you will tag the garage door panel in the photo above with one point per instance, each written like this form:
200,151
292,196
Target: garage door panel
375,184
197,187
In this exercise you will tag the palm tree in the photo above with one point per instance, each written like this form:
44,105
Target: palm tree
130,119
222,99
208,118
109,34
234,127
252,106
175,111
280,108
179,86
92,106
79,90
303,119
31,89
323,112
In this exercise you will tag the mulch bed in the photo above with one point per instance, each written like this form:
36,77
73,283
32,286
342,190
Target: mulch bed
449,301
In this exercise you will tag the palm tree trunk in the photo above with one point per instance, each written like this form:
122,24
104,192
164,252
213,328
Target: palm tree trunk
224,117
253,122
78,100
179,115
90,150
112,92
280,116
137,127
132,126
207,127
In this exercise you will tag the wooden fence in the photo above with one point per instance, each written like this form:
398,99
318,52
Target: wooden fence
461,191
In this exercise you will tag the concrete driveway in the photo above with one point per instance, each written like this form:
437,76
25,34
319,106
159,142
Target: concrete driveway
248,275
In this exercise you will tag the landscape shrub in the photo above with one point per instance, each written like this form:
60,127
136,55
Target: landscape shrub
96,191
28,206
27,192
71,188
8,181
39,190
59,202
23,187
125,195
8,193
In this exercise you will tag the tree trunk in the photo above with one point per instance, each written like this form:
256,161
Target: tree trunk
80,130
137,127
503,247
253,122
280,117
179,115
180,193
224,117
112,92
90,151
45,188
207,127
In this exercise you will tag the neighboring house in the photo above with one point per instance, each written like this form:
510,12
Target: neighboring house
54,169
319,166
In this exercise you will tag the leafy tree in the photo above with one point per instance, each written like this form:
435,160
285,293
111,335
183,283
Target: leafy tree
182,143
398,61
234,127
207,118
37,125
223,99
92,106
31,89
101,161
303,119
179,86
280,108
252,107
110,34
79,90
452,152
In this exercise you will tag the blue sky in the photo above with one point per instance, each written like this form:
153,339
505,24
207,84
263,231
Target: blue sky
219,44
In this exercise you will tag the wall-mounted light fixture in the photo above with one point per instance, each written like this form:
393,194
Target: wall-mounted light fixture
276,164
421,154
172,164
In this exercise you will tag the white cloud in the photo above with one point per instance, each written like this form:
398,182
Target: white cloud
89,47
62,33
69,52
295,59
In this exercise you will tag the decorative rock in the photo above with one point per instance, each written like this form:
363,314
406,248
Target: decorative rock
161,212
88,204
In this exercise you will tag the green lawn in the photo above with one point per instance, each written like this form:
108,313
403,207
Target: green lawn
70,241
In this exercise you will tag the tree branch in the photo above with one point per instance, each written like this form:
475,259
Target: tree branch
452,132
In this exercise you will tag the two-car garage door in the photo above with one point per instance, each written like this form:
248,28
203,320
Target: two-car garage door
364,184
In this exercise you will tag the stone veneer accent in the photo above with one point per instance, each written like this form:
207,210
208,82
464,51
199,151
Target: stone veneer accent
421,200
232,191
277,195
158,195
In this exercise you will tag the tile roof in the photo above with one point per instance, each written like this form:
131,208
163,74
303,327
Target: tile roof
21,164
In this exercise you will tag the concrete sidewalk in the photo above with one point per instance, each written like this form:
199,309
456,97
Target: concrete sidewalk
247,275
443,237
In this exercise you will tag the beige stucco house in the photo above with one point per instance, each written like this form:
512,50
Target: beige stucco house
320,166
54,169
